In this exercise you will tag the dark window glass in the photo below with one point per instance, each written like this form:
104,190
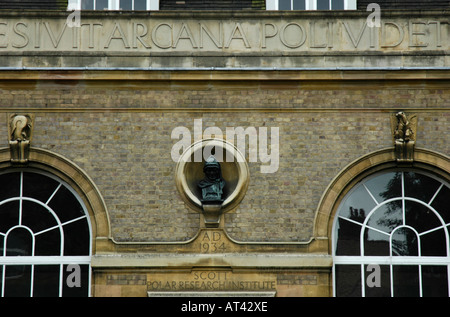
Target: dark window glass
9,186
36,217
323,5
405,226
48,243
348,238
17,280
382,186
441,203
38,186
65,204
299,5
357,205
284,5
87,4
71,276
46,281
405,242
76,238
385,186
337,4
420,186
348,280
378,281
9,215
406,280
376,243
38,221
420,217
433,243
434,281
19,242
387,217
126,5
101,5
140,5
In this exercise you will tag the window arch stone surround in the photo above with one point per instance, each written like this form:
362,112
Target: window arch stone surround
78,180
426,160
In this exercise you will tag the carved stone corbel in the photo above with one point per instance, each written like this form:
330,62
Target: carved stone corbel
404,129
20,128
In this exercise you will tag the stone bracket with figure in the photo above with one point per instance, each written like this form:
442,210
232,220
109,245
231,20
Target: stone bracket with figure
20,128
404,129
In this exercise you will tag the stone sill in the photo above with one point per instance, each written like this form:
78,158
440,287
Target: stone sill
235,260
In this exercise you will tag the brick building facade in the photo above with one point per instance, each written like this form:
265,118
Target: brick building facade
112,100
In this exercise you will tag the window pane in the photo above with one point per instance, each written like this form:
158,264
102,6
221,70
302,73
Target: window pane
76,281
357,205
441,203
284,5
405,242
126,5
9,215
19,242
323,5
385,186
76,238
376,243
420,217
65,205
87,4
46,281
420,186
9,185
17,280
378,281
434,281
433,243
299,5
387,217
38,186
140,5
48,243
337,4
348,280
36,217
101,4
348,238
406,280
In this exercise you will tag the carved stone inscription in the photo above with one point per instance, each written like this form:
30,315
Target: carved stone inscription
213,241
211,280
166,35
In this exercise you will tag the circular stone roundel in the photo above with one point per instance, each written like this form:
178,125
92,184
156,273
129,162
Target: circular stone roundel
189,172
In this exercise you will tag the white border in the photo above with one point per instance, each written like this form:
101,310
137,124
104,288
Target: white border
152,5
309,5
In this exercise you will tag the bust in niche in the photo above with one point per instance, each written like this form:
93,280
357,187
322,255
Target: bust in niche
213,183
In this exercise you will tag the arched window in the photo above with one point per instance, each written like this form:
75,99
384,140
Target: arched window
391,238
45,237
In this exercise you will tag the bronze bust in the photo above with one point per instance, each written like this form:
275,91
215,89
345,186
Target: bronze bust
213,183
